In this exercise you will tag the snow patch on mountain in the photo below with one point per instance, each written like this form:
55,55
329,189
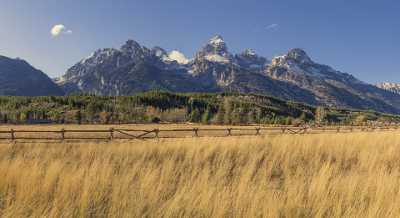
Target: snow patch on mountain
98,56
216,58
393,87
178,57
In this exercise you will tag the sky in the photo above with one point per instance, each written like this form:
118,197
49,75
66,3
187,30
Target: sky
357,37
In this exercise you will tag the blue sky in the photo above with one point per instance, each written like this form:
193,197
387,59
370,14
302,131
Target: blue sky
358,37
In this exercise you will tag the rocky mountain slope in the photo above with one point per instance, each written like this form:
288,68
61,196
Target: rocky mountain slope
392,87
18,78
134,68
330,87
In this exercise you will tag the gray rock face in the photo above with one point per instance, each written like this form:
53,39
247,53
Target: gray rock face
18,78
300,56
134,68
250,60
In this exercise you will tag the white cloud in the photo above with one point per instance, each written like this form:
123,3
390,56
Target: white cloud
60,29
272,26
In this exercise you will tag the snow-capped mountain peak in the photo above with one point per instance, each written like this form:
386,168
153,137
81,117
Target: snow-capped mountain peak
299,55
99,56
216,51
249,52
217,40
249,59
134,50
297,61
131,45
297,64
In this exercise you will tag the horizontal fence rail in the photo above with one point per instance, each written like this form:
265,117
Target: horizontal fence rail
141,134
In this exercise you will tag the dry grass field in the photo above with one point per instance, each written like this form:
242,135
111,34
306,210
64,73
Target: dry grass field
318,175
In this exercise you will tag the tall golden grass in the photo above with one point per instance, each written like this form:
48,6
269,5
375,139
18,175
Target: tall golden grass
324,175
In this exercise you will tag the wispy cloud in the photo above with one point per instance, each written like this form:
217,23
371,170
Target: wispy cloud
60,29
272,26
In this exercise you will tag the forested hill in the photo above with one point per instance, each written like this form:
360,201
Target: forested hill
176,108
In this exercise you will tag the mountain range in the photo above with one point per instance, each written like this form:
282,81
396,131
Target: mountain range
134,68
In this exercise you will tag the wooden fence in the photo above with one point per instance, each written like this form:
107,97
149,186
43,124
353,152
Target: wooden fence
119,133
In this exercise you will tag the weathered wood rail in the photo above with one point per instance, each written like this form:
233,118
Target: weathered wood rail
121,133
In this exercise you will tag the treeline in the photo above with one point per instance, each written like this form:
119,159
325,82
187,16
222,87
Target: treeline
155,107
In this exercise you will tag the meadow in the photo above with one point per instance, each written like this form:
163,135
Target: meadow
317,175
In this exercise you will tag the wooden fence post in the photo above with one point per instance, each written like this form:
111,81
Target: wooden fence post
12,134
62,134
111,133
229,131
283,129
196,132
156,131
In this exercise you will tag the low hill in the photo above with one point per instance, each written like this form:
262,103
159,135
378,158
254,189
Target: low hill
19,78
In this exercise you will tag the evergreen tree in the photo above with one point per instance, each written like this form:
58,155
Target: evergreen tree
288,121
78,117
320,115
228,108
252,117
220,117
303,117
195,116
205,119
